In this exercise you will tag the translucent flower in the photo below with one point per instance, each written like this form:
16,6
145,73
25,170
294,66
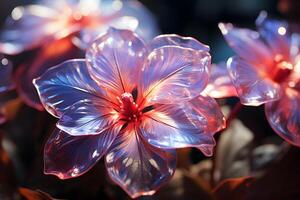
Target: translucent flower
6,83
266,71
133,104
36,25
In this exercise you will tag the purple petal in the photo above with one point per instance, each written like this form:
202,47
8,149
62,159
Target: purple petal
69,156
191,124
176,40
6,69
253,85
116,59
275,33
62,86
28,27
284,117
138,167
220,84
247,44
87,118
173,74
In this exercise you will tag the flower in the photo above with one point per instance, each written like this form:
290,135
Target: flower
266,71
6,83
37,25
131,103
57,27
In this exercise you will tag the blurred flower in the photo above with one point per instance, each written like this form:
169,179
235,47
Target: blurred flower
55,26
6,83
132,103
266,71
37,25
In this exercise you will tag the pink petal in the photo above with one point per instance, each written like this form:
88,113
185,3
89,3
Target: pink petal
284,117
176,40
136,166
247,44
87,117
69,156
62,86
50,55
6,69
220,84
28,27
174,74
190,124
253,86
275,33
116,59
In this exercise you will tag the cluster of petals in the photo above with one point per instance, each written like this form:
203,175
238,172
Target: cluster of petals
266,70
132,104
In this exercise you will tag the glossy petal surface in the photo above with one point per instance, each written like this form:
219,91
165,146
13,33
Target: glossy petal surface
69,156
6,68
176,40
28,27
173,74
139,168
62,86
189,124
87,118
275,32
247,44
115,60
220,84
253,86
284,117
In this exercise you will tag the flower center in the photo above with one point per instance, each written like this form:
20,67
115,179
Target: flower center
282,69
129,110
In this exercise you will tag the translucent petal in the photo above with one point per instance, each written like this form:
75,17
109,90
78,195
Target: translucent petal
6,69
138,167
275,33
177,40
284,117
253,86
116,59
62,86
247,44
69,156
87,117
48,56
29,27
189,124
172,74
220,84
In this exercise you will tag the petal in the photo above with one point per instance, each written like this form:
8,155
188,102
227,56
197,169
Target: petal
28,27
191,124
253,86
62,86
116,59
48,56
247,44
69,156
136,166
284,117
177,40
6,70
220,84
275,33
172,74
87,117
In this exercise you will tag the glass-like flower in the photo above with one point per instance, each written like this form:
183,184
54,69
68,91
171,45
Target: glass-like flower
266,71
6,83
133,104
37,25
